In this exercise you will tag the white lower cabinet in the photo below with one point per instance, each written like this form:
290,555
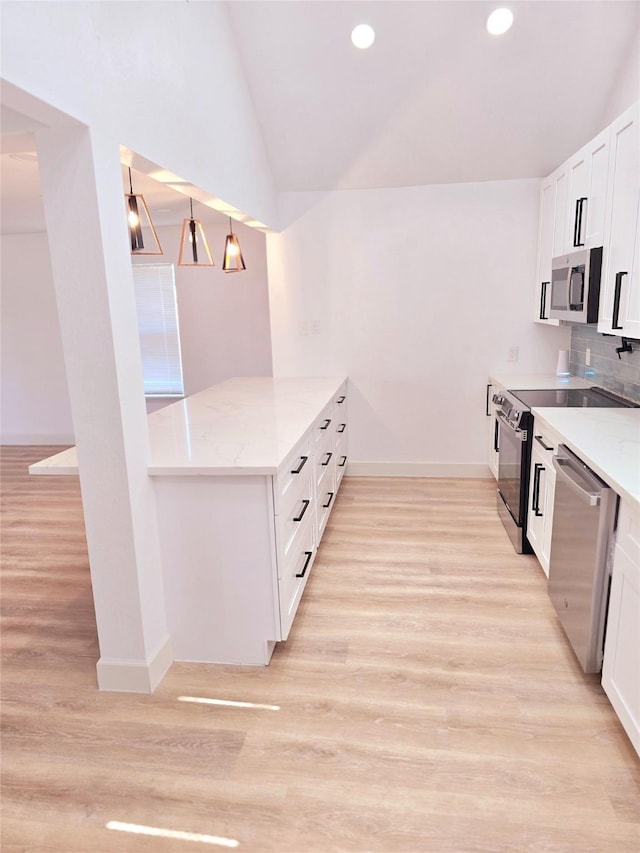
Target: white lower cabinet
621,665
492,434
542,485
238,550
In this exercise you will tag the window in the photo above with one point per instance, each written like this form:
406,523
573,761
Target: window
157,310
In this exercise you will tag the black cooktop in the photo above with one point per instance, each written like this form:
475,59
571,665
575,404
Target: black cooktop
573,397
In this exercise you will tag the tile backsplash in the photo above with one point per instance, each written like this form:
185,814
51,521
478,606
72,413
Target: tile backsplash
620,375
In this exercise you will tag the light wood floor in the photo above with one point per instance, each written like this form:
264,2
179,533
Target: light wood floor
428,700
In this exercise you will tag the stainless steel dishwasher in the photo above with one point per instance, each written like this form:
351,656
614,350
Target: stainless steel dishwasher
583,518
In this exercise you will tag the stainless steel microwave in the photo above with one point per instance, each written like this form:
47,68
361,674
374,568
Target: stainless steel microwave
575,286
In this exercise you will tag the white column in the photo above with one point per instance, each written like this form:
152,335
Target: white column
86,223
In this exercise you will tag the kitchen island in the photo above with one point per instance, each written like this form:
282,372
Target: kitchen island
245,474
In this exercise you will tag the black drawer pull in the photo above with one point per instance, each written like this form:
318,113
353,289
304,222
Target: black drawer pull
543,300
297,470
540,441
538,468
341,428
496,436
326,423
341,399
325,506
343,463
306,564
616,301
577,227
304,509
487,410
328,459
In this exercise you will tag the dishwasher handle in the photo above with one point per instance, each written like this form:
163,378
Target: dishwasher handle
578,478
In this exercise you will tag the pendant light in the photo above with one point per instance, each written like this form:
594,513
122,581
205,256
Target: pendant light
144,240
233,260
194,249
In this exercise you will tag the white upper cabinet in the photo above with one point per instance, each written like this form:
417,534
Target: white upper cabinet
586,191
546,234
619,292
593,200
561,182
572,214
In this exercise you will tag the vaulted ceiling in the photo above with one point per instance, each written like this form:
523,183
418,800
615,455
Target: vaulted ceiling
435,99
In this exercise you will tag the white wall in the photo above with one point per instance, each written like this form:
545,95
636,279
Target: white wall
161,78
224,317
626,89
224,329
417,293
35,398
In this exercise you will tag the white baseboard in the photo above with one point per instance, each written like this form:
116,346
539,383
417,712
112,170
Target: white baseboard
418,469
135,676
30,439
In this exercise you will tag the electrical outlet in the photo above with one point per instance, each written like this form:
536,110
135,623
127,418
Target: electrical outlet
512,353
587,357
315,327
303,327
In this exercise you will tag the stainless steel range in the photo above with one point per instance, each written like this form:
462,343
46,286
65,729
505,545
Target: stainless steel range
514,439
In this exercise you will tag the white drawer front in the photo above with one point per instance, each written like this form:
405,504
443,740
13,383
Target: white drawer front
294,576
340,432
324,503
340,400
324,462
341,462
290,524
293,472
323,425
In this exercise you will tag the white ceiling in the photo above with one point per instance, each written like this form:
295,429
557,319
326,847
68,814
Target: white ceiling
21,209
436,99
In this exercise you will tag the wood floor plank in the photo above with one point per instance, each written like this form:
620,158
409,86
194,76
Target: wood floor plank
427,699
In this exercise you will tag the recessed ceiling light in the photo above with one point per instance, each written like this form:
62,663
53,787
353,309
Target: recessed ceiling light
499,21
363,36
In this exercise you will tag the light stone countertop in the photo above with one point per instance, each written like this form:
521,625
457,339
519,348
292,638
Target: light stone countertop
541,381
607,440
242,426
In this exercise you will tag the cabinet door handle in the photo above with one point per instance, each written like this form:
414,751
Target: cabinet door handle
328,459
496,431
540,441
325,506
543,300
616,300
297,470
577,227
538,467
343,463
304,509
309,555
326,423
486,408
341,399
341,428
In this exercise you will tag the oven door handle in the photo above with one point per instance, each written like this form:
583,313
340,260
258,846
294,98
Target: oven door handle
520,433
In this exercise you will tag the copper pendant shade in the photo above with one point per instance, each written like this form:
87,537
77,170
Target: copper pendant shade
142,233
233,260
194,248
